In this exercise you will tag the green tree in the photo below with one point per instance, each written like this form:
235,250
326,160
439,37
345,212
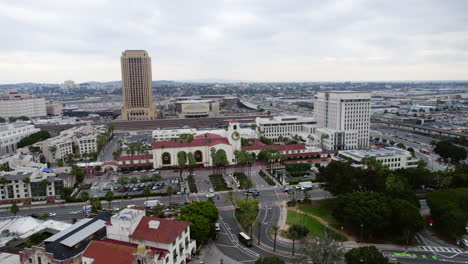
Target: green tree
95,205
33,138
448,210
232,198
146,192
448,150
84,196
14,209
170,191
202,216
181,161
65,193
365,255
274,230
293,235
191,162
109,196
200,227
301,230
269,260
123,180
133,180
246,213
322,250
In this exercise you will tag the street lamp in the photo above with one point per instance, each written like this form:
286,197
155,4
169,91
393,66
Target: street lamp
342,236
362,226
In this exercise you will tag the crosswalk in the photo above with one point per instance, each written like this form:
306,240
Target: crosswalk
441,249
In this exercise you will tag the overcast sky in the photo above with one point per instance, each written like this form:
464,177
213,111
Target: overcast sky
272,40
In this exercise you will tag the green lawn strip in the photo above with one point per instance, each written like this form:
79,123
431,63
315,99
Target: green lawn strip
244,182
267,178
314,226
192,184
322,209
218,182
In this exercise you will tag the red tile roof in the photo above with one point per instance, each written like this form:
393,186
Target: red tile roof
166,233
198,142
115,252
135,157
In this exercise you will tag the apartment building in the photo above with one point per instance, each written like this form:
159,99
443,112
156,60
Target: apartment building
135,238
27,179
14,104
393,158
343,119
285,127
73,141
12,133
137,86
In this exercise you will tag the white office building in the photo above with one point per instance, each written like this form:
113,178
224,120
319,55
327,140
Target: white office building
343,119
12,133
279,127
168,134
14,104
393,158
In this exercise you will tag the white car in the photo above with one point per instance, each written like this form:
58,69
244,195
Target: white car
210,195
74,212
52,214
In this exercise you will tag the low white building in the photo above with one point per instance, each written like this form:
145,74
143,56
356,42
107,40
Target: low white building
393,158
14,104
168,134
285,127
136,238
12,133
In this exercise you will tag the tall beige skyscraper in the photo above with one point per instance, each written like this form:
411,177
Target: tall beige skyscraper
137,86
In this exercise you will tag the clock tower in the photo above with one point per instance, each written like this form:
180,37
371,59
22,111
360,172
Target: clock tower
233,134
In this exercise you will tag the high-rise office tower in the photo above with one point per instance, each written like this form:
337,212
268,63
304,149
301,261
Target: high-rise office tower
137,86
344,119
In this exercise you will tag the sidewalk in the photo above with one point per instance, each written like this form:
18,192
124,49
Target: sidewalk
210,254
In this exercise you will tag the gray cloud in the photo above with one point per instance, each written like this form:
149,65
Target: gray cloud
268,40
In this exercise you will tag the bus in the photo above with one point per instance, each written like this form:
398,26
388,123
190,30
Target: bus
245,239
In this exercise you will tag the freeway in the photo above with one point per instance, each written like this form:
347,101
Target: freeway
411,140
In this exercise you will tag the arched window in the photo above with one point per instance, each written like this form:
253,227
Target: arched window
166,158
198,156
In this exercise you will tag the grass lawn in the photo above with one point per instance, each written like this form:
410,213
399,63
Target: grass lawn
192,184
314,226
244,182
218,182
322,209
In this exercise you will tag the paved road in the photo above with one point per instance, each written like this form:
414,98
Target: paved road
414,141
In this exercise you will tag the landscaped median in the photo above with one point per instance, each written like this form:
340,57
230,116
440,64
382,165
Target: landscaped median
218,182
244,182
313,225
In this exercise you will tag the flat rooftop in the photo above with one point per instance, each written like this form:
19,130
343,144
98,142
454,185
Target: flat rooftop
377,152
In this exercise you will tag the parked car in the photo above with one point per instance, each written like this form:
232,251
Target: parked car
210,195
217,227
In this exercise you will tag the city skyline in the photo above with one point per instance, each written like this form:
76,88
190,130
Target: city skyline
53,41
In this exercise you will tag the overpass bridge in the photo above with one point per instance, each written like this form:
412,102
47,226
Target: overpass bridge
249,104
422,129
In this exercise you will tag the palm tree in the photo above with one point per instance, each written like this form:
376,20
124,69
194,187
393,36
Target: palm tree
170,192
274,230
294,236
259,225
311,138
84,197
44,184
109,196
147,192
14,209
232,198
322,137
